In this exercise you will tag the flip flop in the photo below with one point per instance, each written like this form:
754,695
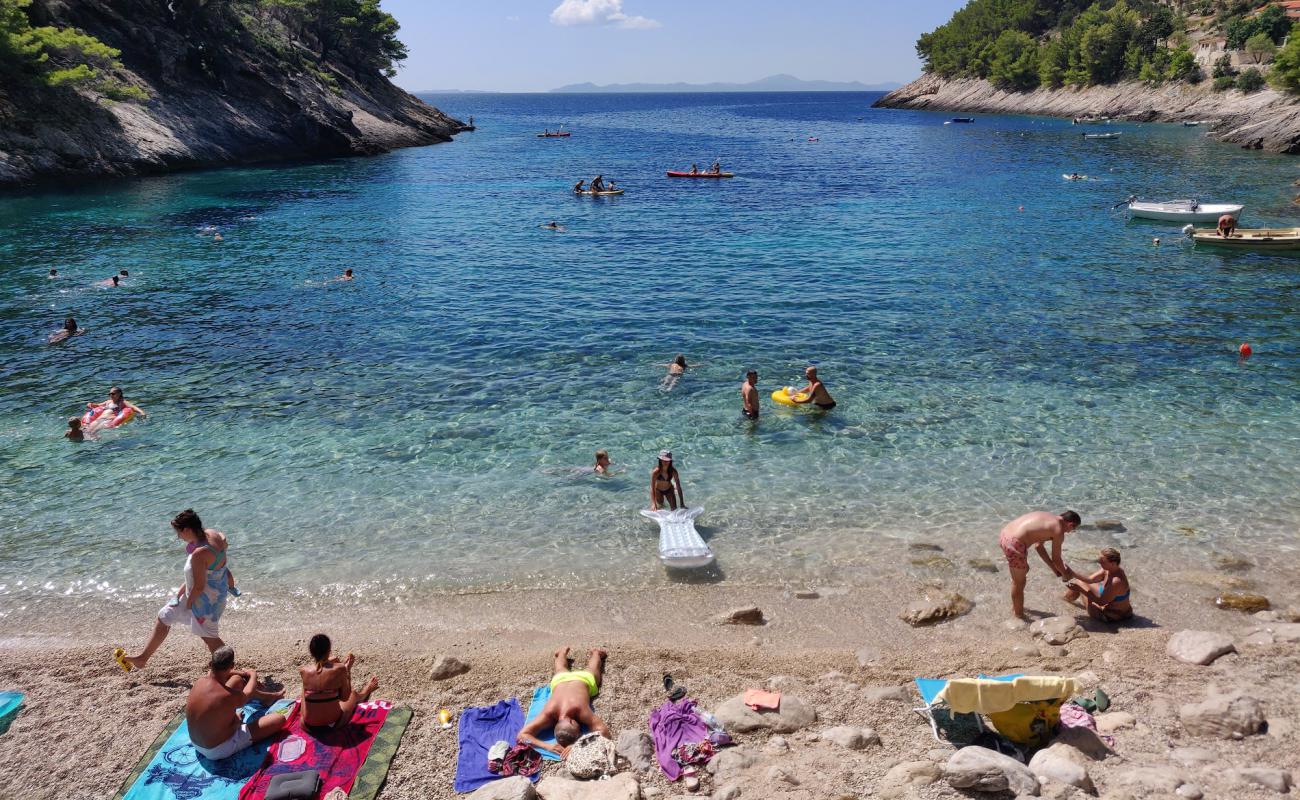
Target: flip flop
119,655
675,692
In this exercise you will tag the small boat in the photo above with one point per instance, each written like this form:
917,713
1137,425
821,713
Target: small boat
959,120
1090,120
554,135
1113,135
687,174
1075,177
606,193
1182,210
1263,239
1191,123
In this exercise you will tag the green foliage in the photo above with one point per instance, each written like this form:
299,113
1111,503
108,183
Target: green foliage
1271,22
1015,62
1156,69
1223,83
56,57
357,32
1223,67
1285,74
1260,47
1182,66
1250,80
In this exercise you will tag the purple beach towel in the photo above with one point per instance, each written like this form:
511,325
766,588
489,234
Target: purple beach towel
672,724
480,728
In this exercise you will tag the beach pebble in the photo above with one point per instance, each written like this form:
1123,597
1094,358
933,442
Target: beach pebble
794,714
445,667
1242,601
1192,757
623,786
1199,647
887,694
1258,638
515,787
1287,632
1057,630
1224,716
748,615
1266,616
931,610
777,745
1114,721
638,748
902,777
1015,624
1151,779
1088,679
1056,766
983,770
1189,791
1279,780
807,594
781,775
729,792
850,738
729,762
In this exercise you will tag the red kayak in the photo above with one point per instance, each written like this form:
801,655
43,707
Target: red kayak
676,174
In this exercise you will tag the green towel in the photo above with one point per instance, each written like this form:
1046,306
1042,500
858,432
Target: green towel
370,779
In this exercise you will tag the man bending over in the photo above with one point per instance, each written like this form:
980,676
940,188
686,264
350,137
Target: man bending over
569,708
1035,529
212,710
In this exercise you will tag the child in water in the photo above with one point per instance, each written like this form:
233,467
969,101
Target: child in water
74,432
602,463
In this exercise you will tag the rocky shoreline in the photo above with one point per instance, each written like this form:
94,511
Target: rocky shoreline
1264,120
213,99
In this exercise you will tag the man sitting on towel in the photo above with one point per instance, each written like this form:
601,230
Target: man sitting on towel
212,710
569,708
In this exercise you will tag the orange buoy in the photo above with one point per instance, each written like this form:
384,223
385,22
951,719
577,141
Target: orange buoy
1245,350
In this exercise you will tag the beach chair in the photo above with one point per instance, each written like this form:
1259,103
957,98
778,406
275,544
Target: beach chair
1022,708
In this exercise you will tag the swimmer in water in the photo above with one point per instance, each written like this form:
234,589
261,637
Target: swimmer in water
346,276
676,369
115,280
74,432
124,274
554,226
54,273
68,330
216,237
603,463
115,404
815,391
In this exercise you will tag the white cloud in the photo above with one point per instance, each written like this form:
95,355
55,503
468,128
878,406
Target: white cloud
598,12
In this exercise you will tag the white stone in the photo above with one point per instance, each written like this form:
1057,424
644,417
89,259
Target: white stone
793,715
623,786
1087,679
729,762
1057,630
1151,779
781,775
1224,716
904,776
1189,791
777,745
1015,624
1192,757
1285,632
849,737
445,666
887,694
1054,765
1199,647
1114,721
729,792
983,770
515,787
638,748
1278,780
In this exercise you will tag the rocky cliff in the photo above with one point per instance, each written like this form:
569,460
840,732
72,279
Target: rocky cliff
1265,120
226,82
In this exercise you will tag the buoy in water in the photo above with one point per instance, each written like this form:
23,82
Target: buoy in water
1245,350
1156,241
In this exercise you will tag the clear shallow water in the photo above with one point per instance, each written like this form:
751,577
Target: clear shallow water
417,428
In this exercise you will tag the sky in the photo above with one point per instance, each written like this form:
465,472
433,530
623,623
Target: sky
536,45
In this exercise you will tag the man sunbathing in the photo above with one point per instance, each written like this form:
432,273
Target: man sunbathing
569,708
212,710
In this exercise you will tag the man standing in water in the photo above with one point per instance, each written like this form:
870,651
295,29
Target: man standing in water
816,391
749,395
1035,529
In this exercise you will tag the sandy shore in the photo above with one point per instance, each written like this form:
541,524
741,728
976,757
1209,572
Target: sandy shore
86,723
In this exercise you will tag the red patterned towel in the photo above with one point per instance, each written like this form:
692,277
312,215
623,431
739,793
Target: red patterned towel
336,753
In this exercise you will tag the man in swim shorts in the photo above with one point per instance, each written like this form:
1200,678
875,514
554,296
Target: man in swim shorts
569,709
1035,529
816,391
212,709
1227,224
749,395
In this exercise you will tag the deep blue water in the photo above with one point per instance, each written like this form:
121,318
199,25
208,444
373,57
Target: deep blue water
419,426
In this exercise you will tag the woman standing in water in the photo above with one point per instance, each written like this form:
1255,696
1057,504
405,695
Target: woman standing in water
666,484
200,601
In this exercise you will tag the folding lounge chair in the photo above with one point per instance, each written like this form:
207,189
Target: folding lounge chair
932,695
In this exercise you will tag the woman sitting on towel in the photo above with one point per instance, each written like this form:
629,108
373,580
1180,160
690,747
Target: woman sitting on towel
1105,592
328,698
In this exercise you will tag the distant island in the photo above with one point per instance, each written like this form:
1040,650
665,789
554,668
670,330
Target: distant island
773,83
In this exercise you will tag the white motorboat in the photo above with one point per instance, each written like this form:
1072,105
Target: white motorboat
1182,210
1101,136
1262,239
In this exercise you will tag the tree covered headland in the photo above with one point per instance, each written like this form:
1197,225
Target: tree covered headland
1019,45
309,35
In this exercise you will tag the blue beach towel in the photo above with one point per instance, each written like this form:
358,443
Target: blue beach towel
480,728
178,772
535,706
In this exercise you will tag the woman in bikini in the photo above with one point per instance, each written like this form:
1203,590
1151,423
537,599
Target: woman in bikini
666,484
328,698
1104,594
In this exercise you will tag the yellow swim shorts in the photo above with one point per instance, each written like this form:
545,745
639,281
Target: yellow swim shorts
577,675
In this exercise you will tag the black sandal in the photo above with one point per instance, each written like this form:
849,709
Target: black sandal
675,692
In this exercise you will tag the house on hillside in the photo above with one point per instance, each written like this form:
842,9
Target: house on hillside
1291,7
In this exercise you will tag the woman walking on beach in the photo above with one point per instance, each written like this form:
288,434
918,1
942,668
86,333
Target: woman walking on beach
200,601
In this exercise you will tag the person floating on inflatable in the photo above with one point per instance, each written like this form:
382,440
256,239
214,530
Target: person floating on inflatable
111,413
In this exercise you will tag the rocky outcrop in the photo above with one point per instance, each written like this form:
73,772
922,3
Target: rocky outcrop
221,90
1264,120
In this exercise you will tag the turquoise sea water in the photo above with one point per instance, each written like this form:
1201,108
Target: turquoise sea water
419,427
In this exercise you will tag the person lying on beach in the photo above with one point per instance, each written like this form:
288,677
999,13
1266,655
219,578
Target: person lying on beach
569,708
815,392
68,330
749,395
201,600
328,698
603,463
1103,594
666,484
212,710
1034,529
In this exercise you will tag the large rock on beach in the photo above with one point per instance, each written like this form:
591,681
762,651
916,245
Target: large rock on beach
1061,764
793,715
982,770
929,611
1199,647
730,762
638,748
1057,630
903,777
1085,742
1243,601
445,666
887,694
623,786
849,737
746,615
515,787
1279,780
1114,721
1224,716
1146,780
